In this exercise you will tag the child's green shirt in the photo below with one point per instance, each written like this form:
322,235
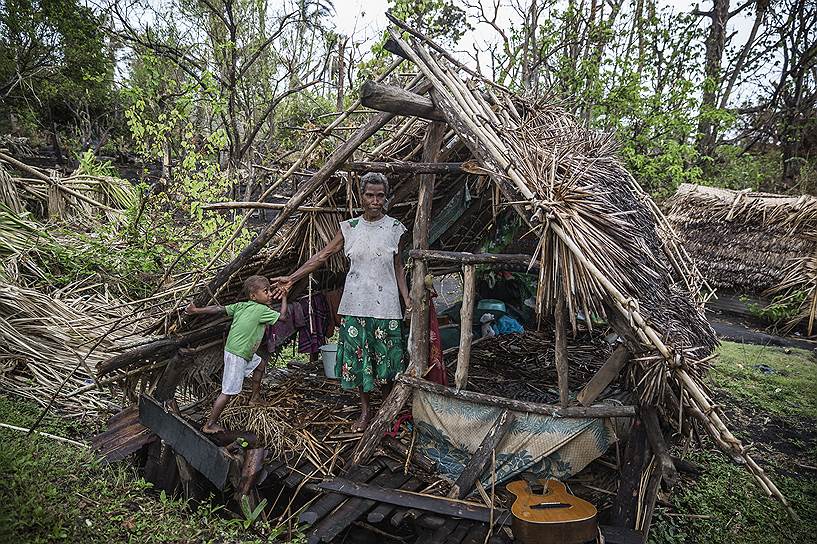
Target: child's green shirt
247,329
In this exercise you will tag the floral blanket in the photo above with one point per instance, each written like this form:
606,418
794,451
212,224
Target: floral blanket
449,431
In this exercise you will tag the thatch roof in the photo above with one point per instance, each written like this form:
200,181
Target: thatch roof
745,241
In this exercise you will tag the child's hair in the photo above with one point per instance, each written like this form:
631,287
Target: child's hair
254,283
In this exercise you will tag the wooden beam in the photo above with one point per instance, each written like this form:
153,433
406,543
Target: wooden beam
608,372
495,259
398,101
606,410
318,510
420,501
418,350
329,527
560,328
408,167
381,421
466,326
418,459
479,461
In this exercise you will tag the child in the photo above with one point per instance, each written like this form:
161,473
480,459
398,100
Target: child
246,331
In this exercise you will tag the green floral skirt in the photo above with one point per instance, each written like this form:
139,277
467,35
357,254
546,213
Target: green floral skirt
370,351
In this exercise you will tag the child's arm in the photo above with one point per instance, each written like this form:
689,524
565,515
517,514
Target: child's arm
192,309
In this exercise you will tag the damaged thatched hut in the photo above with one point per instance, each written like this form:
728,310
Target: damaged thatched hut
462,153
751,246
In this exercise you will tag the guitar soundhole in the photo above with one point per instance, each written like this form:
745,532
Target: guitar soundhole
549,505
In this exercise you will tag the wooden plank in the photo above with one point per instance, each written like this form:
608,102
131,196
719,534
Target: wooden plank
439,505
384,509
459,533
330,501
659,445
466,327
479,461
560,328
393,404
349,511
608,372
397,100
518,405
621,535
209,459
418,349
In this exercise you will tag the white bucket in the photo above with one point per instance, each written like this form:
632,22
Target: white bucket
329,354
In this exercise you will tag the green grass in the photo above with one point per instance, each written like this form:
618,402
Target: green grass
734,509
739,512
55,492
791,390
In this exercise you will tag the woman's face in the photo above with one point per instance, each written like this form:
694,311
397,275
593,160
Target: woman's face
373,198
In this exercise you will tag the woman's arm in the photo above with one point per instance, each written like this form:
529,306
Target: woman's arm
284,283
400,274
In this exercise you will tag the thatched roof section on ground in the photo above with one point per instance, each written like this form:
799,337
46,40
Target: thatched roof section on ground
744,241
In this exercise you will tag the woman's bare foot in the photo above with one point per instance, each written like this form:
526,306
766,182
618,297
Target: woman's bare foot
362,422
211,428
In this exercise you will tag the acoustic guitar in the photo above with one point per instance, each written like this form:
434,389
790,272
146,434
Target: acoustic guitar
545,513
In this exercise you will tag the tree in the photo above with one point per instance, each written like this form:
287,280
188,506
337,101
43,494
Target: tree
55,67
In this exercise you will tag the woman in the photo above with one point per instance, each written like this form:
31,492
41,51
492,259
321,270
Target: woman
370,344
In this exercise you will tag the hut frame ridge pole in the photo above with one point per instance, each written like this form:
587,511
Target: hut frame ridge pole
466,326
418,350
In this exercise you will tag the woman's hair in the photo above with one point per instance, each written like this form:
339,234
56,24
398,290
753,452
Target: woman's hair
254,283
374,178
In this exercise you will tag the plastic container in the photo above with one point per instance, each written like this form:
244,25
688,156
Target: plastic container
329,354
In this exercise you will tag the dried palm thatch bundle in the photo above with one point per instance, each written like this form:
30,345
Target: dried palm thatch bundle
79,195
45,341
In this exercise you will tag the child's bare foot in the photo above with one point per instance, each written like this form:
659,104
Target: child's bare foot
360,425
257,400
211,428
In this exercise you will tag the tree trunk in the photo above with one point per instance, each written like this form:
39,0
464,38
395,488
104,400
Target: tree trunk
715,43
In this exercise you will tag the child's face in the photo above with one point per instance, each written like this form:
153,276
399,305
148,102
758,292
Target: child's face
261,295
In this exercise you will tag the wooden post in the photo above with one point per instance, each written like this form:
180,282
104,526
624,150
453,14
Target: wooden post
466,317
636,454
560,319
418,351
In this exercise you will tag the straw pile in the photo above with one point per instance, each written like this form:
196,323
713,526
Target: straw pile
46,340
